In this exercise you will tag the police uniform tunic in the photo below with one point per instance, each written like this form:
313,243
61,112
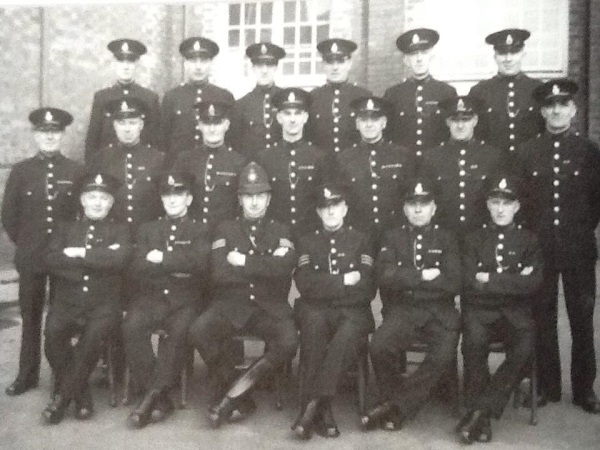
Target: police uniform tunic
511,116
38,195
562,176
461,168
87,297
498,310
101,131
334,319
294,170
169,294
179,118
254,122
416,121
418,310
331,123
215,191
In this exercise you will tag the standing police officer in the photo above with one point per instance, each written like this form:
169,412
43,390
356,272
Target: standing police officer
38,194
179,117
416,120
562,174
100,132
255,127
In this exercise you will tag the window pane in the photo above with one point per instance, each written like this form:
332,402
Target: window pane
288,68
305,35
305,68
323,16
319,67
250,14
266,12
250,37
265,35
234,14
322,32
234,38
303,12
289,36
289,11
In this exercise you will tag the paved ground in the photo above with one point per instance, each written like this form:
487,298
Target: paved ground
561,426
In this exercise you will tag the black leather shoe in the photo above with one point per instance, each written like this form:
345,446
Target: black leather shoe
140,417
163,408
375,415
221,412
485,432
324,424
303,427
393,422
471,427
55,411
589,404
244,407
84,407
19,387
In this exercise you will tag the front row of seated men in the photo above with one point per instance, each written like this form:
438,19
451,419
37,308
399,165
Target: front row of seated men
250,268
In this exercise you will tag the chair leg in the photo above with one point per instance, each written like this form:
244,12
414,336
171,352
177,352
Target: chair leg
534,390
127,387
111,375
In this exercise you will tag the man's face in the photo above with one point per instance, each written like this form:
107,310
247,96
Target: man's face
332,216
502,210
559,114
292,121
419,62
337,71
419,212
213,133
462,128
509,63
371,128
125,70
264,73
48,141
128,130
255,205
96,204
176,204
197,69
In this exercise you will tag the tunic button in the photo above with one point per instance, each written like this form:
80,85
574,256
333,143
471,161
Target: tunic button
419,237
461,184
292,209
376,220
419,142
252,297
511,126
462,173
251,285
499,270
462,207
375,198
251,252
556,209
206,199
129,208
462,218
128,155
419,152
333,250
48,219
376,209
173,227
129,197
166,291
556,196
85,289
500,246
556,222
419,246
419,121
419,257
556,182
462,162
86,277
556,156
129,166
129,219
293,198
172,238
501,236
169,248
374,186
556,144
293,152
512,137
463,152
49,208
419,131
50,166
205,209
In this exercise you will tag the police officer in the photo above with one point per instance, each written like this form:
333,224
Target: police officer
179,117
294,165
214,165
420,264
170,262
331,121
252,261
417,121
562,174
461,166
255,127
86,259
100,132
502,268
375,170
510,116
335,279
38,194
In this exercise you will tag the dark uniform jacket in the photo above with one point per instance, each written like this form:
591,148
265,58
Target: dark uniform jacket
324,259
503,125
178,279
461,168
263,283
90,285
39,193
295,173
406,251
216,172
137,167
331,124
101,132
562,187
179,118
254,124
416,120
375,175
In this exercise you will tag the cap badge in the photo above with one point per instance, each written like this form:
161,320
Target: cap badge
197,46
263,49
171,180
416,39
125,47
211,110
327,193
509,40
419,189
334,48
555,90
291,98
252,176
98,179
124,106
370,105
48,117
503,184
460,106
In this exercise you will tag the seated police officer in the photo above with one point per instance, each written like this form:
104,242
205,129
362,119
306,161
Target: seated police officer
86,259
170,261
252,261
335,279
502,268
419,263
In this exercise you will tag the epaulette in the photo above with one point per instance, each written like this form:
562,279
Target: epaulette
160,218
149,145
404,227
482,142
316,231
275,144
182,84
354,84
519,226
577,133
484,225
193,220
355,145
229,149
489,109
442,144
435,226
110,145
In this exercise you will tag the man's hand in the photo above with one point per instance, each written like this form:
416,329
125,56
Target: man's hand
236,258
351,278
527,270
155,256
482,277
281,251
430,274
74,252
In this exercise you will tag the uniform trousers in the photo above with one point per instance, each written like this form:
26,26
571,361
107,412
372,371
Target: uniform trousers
579,285
512,325
73,365
404,325
158,371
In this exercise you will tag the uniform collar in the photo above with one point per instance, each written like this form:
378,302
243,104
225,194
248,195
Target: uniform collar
509,78
560,135
56,156
499,229
265,89
125,85
425,80
420,230
176,221
337,85
199,84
